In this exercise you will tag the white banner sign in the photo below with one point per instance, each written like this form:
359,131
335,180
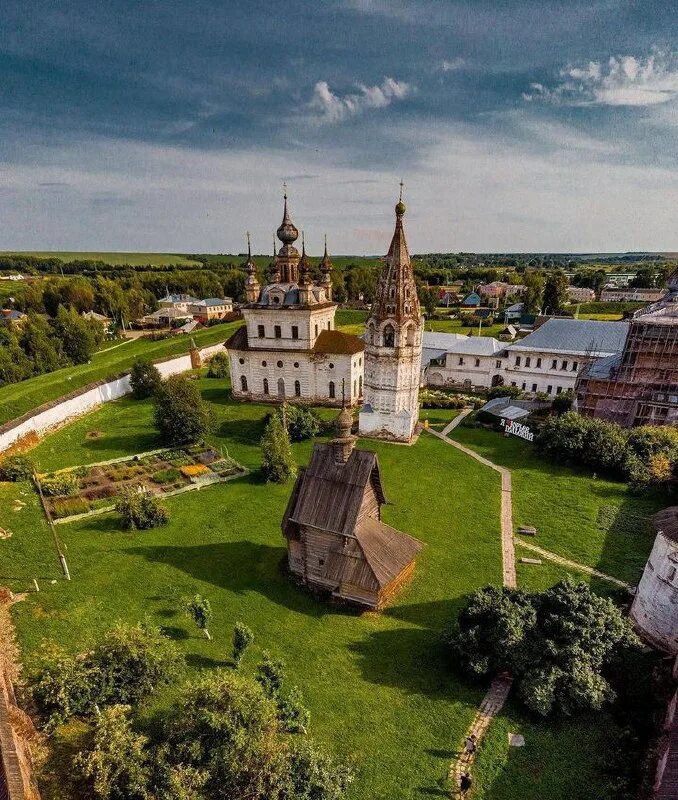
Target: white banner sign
514,427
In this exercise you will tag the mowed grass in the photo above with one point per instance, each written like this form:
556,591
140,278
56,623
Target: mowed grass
456,326
113,258
378,687
589,519
18,398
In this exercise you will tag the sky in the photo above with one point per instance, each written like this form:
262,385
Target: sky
171,125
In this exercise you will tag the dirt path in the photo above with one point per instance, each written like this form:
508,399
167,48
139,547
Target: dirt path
572,564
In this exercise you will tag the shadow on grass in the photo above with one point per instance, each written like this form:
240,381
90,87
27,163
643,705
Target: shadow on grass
133,443
174,632
242,431
205,662
240,567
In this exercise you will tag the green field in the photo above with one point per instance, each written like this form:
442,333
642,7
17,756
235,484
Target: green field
455,326
379,689
134,259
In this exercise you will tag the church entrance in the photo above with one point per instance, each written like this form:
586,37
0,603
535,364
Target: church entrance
281,387
497,380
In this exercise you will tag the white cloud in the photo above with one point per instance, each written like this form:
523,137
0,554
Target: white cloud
327,106
622,81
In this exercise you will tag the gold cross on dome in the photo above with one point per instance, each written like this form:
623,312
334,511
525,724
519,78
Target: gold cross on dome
401,190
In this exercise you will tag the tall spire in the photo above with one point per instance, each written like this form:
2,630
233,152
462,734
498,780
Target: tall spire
326,269
251,281
304,264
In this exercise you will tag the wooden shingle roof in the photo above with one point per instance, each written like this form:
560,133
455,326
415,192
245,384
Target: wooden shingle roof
327,495
387,550
666,522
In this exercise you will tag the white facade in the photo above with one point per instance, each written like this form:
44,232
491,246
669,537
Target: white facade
581,294
655,607
474,361
631,295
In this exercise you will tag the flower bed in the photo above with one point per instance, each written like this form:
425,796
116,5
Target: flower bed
96,487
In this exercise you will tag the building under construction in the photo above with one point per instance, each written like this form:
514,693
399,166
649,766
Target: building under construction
638,386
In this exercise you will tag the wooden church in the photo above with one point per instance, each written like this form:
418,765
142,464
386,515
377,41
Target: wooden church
336,540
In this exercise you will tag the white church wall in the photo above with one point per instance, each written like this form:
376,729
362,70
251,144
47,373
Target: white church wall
655,605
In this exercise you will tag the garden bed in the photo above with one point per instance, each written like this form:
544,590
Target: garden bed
78,491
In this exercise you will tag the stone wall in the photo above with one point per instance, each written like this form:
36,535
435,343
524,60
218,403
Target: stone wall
56,413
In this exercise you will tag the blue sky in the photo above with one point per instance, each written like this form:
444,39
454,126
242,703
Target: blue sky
170,126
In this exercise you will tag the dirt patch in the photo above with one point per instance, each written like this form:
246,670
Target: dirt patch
94,434
4,533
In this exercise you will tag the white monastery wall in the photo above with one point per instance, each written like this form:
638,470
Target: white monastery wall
42,420
655,606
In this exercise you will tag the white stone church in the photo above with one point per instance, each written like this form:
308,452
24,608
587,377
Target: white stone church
288,347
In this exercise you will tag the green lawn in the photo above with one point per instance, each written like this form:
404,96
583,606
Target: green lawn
378,686
592,520
455,326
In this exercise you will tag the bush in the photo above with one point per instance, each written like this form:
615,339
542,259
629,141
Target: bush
557,644
431,398
63,484
218,366
242,638
144,379
128,665
16,468
563,402
302,423
140,510
69,506
179,411
278,464
505,391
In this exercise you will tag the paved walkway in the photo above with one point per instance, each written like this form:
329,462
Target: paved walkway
572,564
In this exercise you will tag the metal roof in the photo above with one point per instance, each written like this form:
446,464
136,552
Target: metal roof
464,345
576,337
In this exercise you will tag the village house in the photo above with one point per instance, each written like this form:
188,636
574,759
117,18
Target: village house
204,311
337,542
496,292
12,318
580,294
469,362
180,302
631,295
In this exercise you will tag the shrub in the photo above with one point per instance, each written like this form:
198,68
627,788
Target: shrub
16,468
164,476
431,398
140,510
242,638
179,411
563,402
505,391
302,423
218,366
69,506
63,484
278,463
200,611
144,378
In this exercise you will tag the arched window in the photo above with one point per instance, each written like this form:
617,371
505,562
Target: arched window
391,292
360,386
243,383
281,387
265,385
410,336
297,389
389,336
332,392
355,387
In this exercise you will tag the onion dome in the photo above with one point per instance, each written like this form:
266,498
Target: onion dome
400,206
344,423
326,264
287,232
304,265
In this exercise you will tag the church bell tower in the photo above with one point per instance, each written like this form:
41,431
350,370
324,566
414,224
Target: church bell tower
393,347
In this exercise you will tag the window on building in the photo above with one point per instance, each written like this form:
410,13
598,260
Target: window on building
497,364
295,331
243,383
316,330
671,574
329,325
539,363
280,363
263,363
559,389
389,336
360,385
461,361
563,365
297,389
554,364
262,331
277,332
281,387
331,365
549,390
513,383
355,387
575,365
534,387
265,385
517,361
477,362
524,386
527,361
331,390
296,365
241,360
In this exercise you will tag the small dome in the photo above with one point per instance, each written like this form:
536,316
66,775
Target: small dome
400,208
287,232
344,423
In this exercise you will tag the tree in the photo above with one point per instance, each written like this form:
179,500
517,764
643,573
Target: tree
271,674
315,776
16,468
218,366
117,765
555,293
557,644
302,423
144,378
78,336
179,411
242,638
278,464
428,297
200,611
532,298
140,510
37,340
